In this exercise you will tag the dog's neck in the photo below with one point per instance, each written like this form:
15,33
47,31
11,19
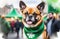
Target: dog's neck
35,32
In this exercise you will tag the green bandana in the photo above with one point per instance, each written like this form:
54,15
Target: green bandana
33,33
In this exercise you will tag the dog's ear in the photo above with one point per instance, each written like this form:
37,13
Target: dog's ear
22,5
41,6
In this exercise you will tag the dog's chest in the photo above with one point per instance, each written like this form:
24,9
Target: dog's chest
34,33
31,35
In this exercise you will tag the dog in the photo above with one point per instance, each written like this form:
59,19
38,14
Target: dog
32,19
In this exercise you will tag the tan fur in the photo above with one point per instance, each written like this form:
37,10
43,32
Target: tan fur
30,11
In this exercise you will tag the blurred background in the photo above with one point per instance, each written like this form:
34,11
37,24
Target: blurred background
11,11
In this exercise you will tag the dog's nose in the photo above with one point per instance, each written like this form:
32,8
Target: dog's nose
30,17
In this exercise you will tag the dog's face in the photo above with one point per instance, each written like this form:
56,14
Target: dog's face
31,15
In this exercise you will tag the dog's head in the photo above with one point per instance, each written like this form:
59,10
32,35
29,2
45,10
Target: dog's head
31,15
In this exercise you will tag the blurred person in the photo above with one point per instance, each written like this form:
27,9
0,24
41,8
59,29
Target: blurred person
49,24
17,27
0,19
56,28
22,26
0,22
5,27
12,23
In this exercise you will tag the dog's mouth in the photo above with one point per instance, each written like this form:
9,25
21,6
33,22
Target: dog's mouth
29,22
31,19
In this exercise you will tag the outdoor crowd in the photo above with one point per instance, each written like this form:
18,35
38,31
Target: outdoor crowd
10,26
52,25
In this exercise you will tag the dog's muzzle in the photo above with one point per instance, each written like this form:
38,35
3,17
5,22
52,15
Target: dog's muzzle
31,20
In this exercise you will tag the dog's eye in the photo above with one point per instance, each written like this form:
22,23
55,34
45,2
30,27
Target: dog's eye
26,13
34,14
38,17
